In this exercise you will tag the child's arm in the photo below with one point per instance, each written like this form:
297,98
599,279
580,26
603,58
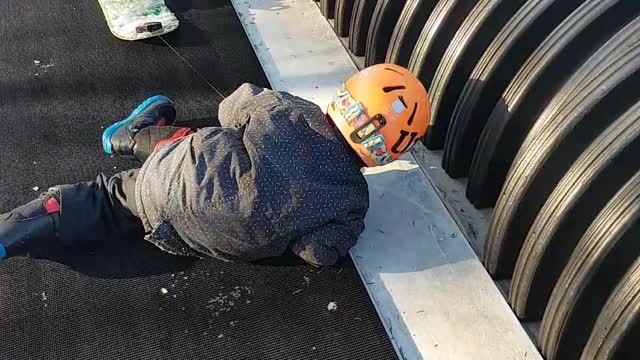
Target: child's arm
327,243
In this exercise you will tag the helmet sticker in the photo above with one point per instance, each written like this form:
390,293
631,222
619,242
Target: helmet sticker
342,91
341,100
377,149
354,115
351,110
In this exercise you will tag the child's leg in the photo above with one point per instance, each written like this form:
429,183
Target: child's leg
148,139
83,214
137,135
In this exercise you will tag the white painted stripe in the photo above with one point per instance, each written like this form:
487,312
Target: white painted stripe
297,49
432,293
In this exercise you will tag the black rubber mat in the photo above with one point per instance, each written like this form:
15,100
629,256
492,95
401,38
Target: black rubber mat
344,9
403,40
617,330
585,189
585,30
384,19
435,37
517,40
359,28
606,252
478,30
597,94
64,77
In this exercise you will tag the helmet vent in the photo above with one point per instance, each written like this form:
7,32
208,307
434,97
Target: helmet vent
389,89
413,114
401,98
395,71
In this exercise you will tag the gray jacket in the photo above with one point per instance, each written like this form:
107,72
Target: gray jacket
275,175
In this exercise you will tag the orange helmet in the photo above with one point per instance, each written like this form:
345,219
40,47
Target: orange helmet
382,111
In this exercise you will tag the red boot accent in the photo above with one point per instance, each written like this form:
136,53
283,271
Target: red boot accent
52,206
177,135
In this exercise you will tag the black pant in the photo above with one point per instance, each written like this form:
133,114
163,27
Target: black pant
97,211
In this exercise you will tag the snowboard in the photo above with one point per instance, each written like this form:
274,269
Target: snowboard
138,19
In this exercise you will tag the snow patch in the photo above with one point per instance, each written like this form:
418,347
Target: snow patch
223,302
41,67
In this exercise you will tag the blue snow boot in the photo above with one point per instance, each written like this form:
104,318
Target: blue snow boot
119,138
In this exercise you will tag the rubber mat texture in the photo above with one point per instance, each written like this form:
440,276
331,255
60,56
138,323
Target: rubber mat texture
61,83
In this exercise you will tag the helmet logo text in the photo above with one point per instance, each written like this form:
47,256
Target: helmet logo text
401,139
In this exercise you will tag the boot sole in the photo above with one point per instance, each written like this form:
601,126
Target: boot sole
108,133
